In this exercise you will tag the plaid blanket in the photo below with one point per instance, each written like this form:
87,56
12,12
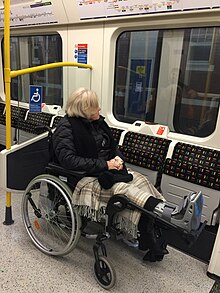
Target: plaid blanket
91,199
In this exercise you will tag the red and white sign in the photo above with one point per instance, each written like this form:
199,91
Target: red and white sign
160,130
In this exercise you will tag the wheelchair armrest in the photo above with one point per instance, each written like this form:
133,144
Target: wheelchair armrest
65,172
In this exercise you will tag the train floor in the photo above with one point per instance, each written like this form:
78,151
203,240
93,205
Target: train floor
23,268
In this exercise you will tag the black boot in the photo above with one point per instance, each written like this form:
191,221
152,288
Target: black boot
157,246
150,235
151,239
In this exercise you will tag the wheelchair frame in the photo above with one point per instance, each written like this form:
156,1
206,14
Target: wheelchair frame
54,225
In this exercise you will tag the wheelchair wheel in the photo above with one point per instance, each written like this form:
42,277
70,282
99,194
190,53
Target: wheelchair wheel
104,273
51,221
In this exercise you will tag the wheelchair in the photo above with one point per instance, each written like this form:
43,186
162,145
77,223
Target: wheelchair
55,226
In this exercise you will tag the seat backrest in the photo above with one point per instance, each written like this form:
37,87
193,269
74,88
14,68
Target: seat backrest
41,118
55,121
116,132
145,150
2,117
17,115
195,164
196,155
33,120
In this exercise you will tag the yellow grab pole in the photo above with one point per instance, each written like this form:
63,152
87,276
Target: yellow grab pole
47,66
7,73
8,214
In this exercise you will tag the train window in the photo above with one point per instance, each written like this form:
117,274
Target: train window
169,77
136,75
29,51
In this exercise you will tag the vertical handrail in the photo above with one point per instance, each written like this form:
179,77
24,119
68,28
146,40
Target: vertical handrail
7,77
7,72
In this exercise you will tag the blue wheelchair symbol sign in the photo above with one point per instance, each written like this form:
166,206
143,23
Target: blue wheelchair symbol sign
35,98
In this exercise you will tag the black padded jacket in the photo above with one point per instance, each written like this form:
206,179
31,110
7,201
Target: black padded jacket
73,140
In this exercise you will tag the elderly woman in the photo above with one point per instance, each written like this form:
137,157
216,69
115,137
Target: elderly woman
83,141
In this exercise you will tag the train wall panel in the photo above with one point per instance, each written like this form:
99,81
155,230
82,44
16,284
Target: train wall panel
26,163
151,175
174,190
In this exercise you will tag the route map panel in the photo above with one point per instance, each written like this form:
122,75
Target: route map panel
29,13
111,8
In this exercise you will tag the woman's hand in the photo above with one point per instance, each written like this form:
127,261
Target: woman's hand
115,164
112,165
119,162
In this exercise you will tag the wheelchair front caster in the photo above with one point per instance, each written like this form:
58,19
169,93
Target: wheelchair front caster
104,273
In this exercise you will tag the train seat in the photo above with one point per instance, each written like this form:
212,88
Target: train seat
190,169
2,126
116,132
17,114
145,151
29,154
2,117
55,121
24,121
33,120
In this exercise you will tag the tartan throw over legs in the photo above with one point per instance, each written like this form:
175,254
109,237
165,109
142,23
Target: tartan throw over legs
92,200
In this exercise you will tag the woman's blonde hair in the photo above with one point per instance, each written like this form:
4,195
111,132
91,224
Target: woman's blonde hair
82,103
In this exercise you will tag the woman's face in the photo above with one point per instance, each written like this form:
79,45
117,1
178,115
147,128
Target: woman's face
95,115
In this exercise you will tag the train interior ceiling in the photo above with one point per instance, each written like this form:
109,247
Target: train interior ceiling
155,67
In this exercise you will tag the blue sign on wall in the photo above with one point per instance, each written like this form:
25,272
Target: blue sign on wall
35,98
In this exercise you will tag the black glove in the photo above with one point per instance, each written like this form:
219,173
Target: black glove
108,178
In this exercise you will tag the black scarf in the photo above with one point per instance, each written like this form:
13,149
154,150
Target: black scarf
83,139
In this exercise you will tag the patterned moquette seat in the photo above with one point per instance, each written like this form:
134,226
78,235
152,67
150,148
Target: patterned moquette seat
144,150
195,164
116,132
